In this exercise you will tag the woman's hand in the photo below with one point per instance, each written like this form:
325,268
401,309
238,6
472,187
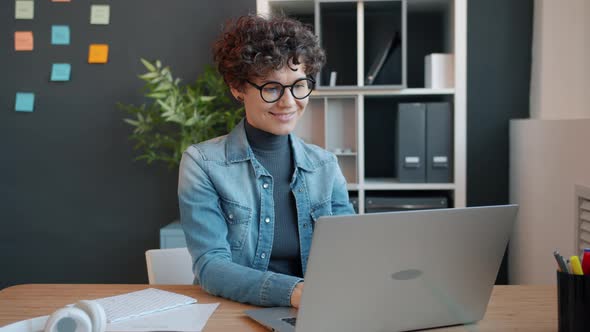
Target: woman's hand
296,295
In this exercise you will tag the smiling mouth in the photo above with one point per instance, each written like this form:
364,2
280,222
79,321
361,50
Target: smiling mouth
283,116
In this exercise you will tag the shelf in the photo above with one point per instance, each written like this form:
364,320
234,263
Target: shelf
345,154
379,91
292,7
361,117
352,186
393,184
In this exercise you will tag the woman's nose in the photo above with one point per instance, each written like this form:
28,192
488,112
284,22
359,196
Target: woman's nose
287,98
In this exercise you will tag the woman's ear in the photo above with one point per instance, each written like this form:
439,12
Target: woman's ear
239,95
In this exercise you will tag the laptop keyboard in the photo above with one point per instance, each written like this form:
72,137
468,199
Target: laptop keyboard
290,320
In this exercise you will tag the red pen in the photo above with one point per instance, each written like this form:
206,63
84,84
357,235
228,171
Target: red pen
586,261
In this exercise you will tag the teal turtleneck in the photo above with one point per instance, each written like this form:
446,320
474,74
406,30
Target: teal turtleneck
274,153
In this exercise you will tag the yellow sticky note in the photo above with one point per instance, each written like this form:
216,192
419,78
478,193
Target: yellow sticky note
23,40
98,53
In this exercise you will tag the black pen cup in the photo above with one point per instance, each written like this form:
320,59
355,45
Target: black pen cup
573,302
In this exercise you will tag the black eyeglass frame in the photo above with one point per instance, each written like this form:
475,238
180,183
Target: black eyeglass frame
283,87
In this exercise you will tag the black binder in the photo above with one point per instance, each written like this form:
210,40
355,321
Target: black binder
411,145
438,143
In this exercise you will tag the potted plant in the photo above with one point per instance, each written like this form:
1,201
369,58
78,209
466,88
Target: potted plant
179,115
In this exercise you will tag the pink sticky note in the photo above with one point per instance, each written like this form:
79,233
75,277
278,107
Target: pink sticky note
23,40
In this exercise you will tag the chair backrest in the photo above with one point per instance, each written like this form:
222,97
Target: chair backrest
169,266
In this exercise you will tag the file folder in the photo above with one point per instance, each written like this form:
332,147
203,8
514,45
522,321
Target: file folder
411,145
438,143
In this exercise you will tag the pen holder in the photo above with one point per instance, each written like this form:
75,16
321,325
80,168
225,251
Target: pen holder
573,302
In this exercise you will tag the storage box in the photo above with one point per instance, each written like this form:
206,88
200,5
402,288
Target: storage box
439,71
172,236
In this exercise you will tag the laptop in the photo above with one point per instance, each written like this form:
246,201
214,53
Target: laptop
398,271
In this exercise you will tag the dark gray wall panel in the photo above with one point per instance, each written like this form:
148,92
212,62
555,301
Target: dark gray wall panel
74,207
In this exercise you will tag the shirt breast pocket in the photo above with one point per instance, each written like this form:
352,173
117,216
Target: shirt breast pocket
322,209
238,219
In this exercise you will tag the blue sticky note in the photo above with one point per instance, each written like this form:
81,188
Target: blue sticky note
60,72
25,102
60,35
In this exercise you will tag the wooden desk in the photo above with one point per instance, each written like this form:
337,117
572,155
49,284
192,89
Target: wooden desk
511,308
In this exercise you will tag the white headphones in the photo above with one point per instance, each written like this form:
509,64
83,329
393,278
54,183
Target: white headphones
84,316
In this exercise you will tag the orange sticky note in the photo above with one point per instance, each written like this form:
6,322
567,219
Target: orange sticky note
23,40
98,53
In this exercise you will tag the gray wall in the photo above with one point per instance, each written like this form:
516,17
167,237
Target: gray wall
74,207
498,77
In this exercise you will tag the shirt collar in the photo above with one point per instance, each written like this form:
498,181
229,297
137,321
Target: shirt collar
238,149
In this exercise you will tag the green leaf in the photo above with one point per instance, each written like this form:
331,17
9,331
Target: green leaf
156,95
131,122
165,106
148,65
149,76
207,98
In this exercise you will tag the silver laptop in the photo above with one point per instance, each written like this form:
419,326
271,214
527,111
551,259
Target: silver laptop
398,271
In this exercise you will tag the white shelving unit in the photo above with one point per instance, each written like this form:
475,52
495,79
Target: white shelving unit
335,116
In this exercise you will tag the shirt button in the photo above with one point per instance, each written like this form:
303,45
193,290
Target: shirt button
304,225
300,190
231,216
263,255
265,185
267,220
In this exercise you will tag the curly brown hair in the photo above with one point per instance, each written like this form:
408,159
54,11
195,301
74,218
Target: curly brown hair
253,46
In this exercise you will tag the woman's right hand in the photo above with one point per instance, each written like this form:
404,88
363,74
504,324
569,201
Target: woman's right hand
296,295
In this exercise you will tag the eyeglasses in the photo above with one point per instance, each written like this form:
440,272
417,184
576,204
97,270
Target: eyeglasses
273,91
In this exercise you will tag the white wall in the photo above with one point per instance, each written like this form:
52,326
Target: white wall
560,82
549,152
547,159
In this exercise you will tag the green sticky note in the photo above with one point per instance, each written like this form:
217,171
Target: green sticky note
60,35
25,102
60,72
100,14
24,9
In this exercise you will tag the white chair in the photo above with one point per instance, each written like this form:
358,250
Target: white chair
169,266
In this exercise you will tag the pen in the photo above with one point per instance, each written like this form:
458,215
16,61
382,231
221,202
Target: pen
561,262
586,261
576,267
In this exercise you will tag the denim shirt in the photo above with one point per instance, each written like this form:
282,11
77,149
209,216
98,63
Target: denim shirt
227,213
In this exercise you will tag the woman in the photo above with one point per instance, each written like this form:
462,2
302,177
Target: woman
249,200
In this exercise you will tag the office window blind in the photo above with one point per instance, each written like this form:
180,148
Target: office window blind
583,214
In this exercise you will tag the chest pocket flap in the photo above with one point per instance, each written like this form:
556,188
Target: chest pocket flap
235,213
238,221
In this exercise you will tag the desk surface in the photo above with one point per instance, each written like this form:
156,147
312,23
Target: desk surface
511,308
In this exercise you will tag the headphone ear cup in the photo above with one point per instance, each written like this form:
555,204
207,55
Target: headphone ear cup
96,313
57,322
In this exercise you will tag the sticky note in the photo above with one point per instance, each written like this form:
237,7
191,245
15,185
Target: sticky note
24,9
60,35
98,53
100,14
25,102
61,72
23,40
